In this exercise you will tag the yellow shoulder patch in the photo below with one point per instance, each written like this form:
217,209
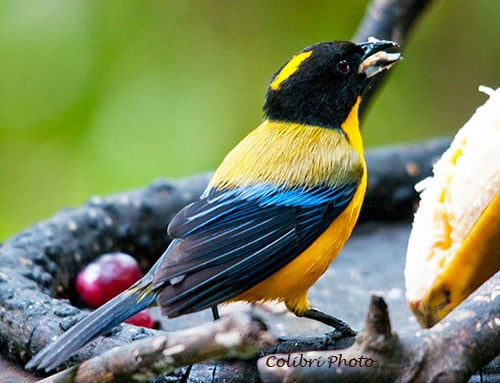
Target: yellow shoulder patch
289,69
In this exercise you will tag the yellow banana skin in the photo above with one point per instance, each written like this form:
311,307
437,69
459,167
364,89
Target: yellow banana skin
476,261
455,243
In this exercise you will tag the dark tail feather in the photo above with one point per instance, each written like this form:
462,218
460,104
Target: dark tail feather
103,319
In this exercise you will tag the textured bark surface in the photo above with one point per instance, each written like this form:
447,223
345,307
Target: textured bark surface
38,266
451,351
240,336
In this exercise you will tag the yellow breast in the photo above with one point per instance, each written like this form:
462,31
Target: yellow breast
289,155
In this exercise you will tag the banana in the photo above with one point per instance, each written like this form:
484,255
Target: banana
454,245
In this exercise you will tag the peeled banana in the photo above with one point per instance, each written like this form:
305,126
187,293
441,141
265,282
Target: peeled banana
454,245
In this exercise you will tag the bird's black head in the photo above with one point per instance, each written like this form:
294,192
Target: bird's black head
320,85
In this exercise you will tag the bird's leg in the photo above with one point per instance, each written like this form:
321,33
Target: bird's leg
215,312
342,328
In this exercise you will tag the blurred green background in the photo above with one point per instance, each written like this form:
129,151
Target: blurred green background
102,96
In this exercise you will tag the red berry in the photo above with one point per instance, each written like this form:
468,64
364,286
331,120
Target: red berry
142,318
106,277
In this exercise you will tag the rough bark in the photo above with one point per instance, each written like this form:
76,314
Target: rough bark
451,351
239,336
38,266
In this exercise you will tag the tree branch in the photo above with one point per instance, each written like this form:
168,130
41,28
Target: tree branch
392,175
234,336
388,20
451,351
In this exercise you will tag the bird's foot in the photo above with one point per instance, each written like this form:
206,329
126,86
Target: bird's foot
342,328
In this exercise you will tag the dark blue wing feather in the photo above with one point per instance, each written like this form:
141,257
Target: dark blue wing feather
230,240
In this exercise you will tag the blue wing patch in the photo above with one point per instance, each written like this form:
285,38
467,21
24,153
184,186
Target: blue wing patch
230,240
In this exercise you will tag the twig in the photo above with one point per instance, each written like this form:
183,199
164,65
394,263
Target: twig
451,351
234,336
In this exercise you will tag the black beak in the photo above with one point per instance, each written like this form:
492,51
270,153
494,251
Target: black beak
376,58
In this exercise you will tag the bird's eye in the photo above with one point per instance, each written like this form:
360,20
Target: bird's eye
343,67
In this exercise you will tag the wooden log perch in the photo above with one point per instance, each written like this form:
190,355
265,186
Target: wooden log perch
450,352
467,339
239,336
38,266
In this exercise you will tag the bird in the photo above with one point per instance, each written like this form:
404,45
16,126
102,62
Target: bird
277,210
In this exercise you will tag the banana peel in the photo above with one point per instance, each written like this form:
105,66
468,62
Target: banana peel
454,245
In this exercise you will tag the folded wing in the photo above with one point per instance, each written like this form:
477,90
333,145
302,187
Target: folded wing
230,240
